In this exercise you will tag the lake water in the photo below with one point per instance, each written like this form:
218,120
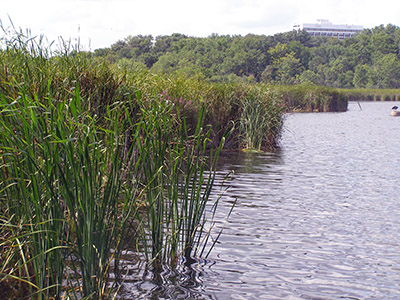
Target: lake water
318,219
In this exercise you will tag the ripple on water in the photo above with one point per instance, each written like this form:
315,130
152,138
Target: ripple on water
319,219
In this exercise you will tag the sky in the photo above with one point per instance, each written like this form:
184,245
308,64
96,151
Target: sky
101,23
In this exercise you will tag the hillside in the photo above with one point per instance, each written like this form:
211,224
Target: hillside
370,59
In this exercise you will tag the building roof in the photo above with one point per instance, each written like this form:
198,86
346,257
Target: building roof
326,25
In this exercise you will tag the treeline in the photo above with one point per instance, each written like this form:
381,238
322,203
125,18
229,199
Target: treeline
371,59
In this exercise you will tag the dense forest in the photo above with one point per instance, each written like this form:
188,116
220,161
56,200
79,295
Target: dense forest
371,59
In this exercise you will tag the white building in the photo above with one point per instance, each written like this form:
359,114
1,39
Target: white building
325,28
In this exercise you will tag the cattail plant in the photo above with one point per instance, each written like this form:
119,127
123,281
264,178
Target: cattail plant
178,175
261,118
62,192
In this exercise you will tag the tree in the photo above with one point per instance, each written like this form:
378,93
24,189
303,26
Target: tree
388,67
141,44
167,63
269,74
383,43
288,69
308,77
247,56
300,51
360,79
370,59
164,43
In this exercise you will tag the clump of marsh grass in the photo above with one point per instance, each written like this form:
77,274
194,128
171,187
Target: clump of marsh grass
67,202
312,98
178,174
31,210
61,192
79,153
261,118
367,94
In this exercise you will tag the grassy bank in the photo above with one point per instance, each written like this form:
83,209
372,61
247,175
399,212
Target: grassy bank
89,153
371,94
313,98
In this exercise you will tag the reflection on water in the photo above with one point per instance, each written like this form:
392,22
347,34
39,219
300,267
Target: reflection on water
319,219
183,282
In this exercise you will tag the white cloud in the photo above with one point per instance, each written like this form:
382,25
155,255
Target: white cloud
104,22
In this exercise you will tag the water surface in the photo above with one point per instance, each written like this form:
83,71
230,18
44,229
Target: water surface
318,219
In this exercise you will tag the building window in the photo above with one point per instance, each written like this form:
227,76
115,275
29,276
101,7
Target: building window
326,28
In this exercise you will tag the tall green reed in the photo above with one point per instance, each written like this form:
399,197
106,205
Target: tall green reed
312,98
62,188
30,194
366,94
261,118
76,156
178,172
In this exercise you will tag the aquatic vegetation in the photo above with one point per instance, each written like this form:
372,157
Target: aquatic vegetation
371,94
69,192
64,205
313,98
80,160
261,118
178,175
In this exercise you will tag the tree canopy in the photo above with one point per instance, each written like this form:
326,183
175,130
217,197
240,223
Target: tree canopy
369,59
